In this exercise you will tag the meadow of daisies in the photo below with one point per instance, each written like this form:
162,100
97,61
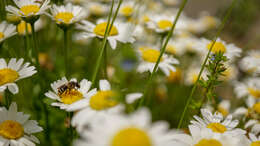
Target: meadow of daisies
128,73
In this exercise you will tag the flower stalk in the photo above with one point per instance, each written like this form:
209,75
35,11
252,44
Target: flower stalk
169,35
205,61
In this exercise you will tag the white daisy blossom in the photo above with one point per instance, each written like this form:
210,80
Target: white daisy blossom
28,8
251,63
122,32
94,108
127,8
249,88
163,23
6,30
16,128
192,75
70,97
149,56
131,98
68,14
217,123
206,137
12,72
229,50
96,8
252,110
254,140
133,130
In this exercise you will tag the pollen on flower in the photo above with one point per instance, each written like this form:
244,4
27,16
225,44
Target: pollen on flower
70,96
8,76
131,137
21,28
254,92
2,35
208,142
218,47
127,10
164,24
150,55
256,107
64,17
217,127
11,129
30,9
100,30
103,100
255,143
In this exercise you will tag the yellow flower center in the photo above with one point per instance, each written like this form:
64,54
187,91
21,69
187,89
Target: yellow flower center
164,24
131,137
217,127
223,111
256,107
30,9
2,35
127,10
146,18
210,21
11,129
171,49
70,96
64,17
254,92
21,28
100,30
150,55
194,78
103,100
255,143
208,142
8,76
218,47
175,76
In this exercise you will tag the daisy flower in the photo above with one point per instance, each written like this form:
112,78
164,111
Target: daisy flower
70,94
21,27
251,111
249,88
101,103
121,32
163,23
192,75
12,72
206,137
229,50
136,129
16,128
29,10
149,56
254,140
67,15
217,124
127,8
6,31
251,63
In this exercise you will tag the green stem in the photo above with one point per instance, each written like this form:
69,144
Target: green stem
104,43
170,33
65,51
36,50
205,61
105,62
8,98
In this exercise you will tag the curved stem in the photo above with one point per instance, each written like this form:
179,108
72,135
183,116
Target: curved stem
205,61
170,33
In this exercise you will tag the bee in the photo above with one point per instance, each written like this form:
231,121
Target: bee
69,86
